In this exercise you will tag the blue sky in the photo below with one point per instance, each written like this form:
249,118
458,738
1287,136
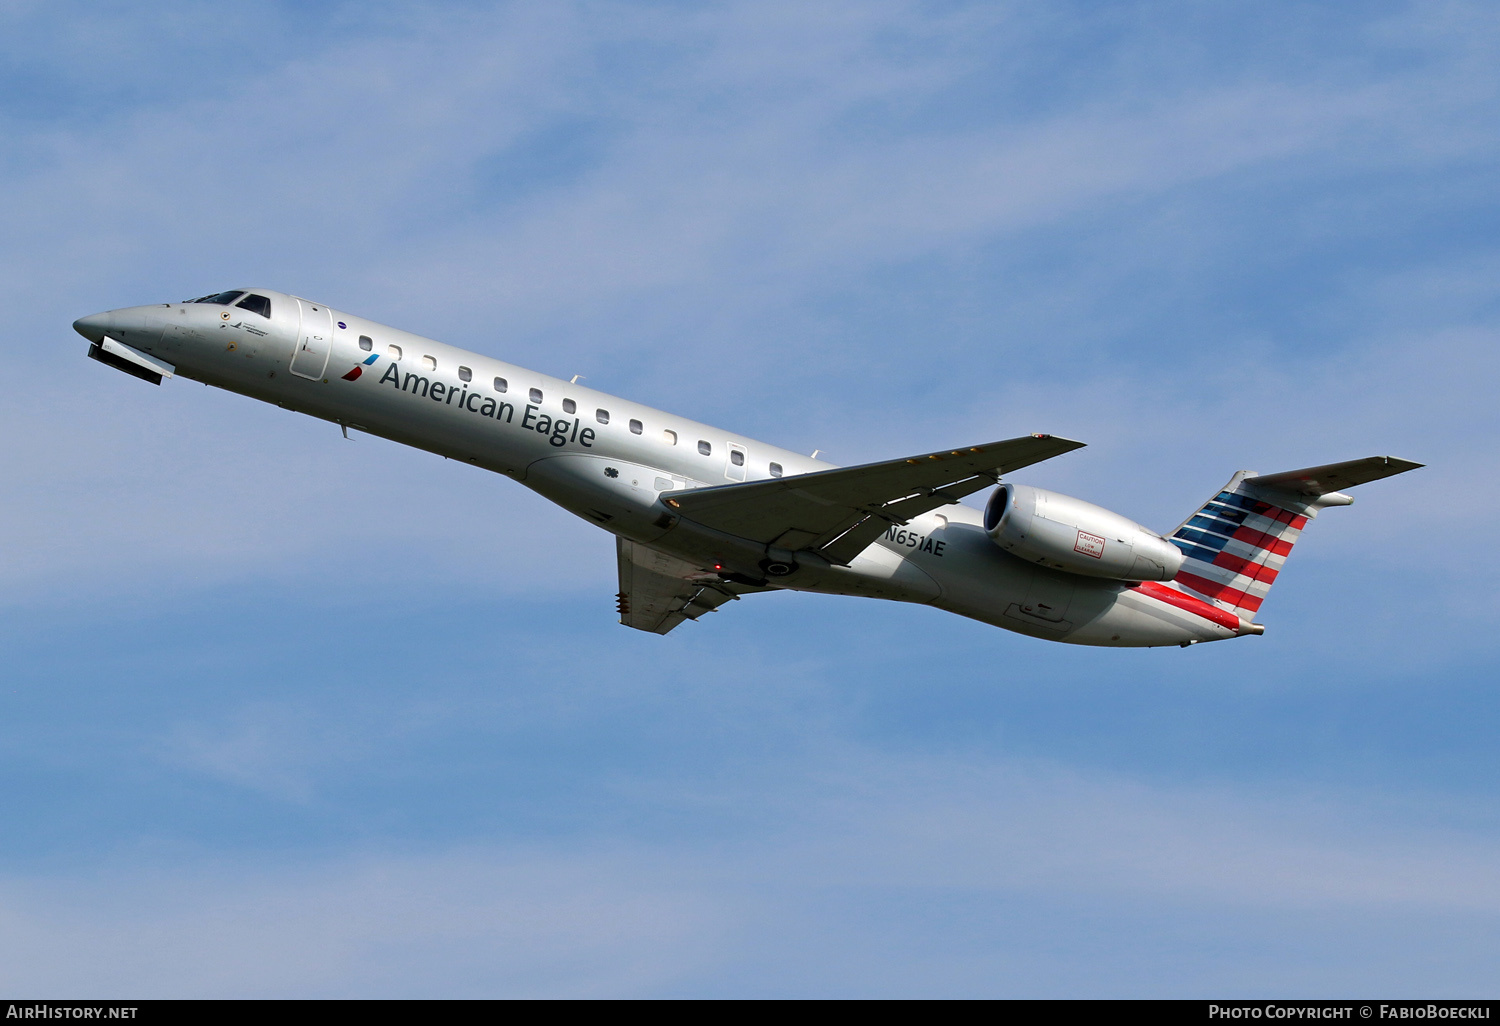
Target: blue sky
284,714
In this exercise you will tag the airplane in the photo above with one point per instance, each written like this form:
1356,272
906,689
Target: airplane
703,516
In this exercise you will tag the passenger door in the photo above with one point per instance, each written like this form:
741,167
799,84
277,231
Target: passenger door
314,339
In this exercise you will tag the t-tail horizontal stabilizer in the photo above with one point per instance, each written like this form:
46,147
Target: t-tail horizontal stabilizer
1236,545
1335,477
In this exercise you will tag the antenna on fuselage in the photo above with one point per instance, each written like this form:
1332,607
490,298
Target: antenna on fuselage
576,379
815,454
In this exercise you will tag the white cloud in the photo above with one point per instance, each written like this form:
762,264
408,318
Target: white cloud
465,924
845,884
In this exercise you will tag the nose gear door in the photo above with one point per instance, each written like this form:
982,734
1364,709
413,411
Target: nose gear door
314,339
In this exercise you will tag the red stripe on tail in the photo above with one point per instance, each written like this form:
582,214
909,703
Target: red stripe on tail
1262,541
1196,606
1255,571
1215,590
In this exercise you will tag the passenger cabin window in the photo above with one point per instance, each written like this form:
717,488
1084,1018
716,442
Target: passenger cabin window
705,448
366,343
776,470
569,406
636,427
669,436
257,305
429,362
501,384
736,457
602,416
395,352
536,396
464,374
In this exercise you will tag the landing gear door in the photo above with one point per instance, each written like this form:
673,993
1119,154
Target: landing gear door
735,468
314,339
1048,597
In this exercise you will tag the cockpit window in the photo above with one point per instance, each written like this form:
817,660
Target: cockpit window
221,299
256,304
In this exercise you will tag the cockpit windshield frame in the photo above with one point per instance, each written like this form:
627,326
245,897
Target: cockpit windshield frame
256,304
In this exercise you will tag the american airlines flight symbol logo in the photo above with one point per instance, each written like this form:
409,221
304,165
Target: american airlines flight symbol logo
359,368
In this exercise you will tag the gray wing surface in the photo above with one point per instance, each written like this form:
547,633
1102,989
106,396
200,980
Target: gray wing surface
658,591
840,512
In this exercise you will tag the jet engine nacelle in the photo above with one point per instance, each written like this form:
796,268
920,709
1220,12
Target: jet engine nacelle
1065,533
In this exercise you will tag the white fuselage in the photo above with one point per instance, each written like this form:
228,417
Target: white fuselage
607,459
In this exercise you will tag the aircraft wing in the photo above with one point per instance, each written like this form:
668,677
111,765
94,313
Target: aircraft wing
840,512
658,591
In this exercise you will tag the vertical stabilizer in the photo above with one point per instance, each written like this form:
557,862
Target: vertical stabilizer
1236,545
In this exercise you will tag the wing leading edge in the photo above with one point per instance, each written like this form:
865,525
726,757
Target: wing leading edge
840,512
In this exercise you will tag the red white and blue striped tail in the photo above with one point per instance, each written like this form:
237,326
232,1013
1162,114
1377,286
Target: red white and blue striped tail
1235,546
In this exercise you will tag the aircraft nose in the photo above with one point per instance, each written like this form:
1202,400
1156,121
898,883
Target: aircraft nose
95,326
